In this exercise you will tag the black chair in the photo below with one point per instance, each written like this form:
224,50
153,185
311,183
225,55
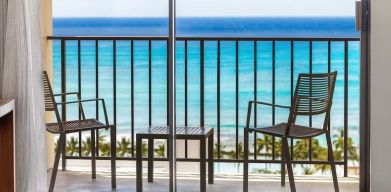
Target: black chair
65,127
313,96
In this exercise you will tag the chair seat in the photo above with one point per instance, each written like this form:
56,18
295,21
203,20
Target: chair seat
296,131
75,126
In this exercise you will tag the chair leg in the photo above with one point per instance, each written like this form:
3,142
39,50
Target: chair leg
289,165
150,160
283,164
113,157
63,156
332,163
93,158
61,142
210,159
245,161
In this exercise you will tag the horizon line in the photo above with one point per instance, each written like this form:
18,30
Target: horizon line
204,17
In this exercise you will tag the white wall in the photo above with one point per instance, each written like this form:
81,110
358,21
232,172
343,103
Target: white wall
380,95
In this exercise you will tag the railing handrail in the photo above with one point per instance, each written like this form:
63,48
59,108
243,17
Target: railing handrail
204,38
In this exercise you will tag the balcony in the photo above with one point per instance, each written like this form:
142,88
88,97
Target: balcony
216,77
78,178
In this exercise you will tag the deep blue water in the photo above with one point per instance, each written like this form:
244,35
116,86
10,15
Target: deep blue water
257,27
242,27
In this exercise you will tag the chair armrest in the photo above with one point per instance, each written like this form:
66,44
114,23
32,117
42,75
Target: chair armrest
62,94
80,101
250,104
270,104
78,98
91,100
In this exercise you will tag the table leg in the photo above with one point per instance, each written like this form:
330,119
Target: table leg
139,165
150,160
93,154
168,147
202,165
210,163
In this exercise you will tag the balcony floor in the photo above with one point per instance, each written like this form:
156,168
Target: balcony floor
76,180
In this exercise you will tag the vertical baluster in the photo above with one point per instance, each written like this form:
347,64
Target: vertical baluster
292,81
96,92
237,99
97,78
63,79
274,95
150,83
132,92
168,75
346,110
168,93
255,95
310,118
186,119
113,130
218,98
63,97
202,81
79,88
114,92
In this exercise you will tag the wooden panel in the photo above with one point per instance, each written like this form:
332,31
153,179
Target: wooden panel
7,174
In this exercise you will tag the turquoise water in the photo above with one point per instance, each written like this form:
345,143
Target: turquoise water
340,27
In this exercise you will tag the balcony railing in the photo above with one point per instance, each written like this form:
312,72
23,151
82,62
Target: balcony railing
194,50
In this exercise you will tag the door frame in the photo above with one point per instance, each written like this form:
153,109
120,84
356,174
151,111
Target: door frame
365,104
171,89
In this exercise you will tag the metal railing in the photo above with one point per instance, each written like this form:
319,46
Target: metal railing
202,40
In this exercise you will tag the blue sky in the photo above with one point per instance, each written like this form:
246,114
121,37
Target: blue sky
202,8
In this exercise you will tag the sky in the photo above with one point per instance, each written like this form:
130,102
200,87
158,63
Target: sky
203,8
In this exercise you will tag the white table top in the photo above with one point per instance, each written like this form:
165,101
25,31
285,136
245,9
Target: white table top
6,106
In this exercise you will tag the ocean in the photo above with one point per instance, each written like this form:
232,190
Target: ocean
215,27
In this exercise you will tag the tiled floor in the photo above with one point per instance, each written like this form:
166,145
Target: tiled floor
81,181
